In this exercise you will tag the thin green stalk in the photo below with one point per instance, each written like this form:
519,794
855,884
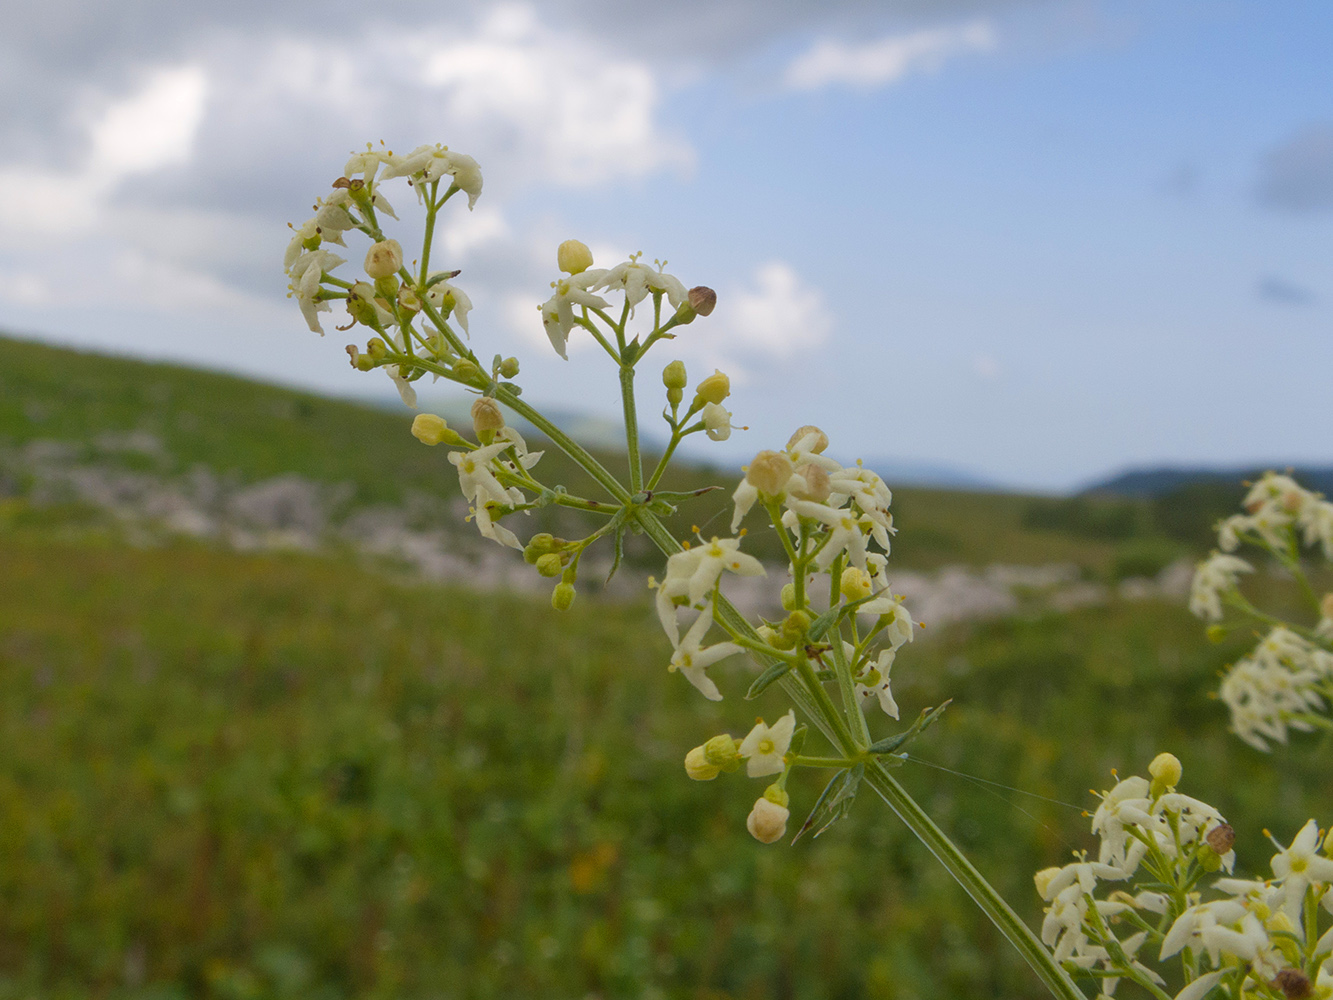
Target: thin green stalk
665,460
631,428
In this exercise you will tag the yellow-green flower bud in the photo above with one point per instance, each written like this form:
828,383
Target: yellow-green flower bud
361,304
573,257
768,472
509,367
384,259
486,419
854,583
713,389
386,289
1216,633
821,439
795,625
789,597
549,564
467,372
698,767
673,375
702,299
1165,771
724,752
376,348
563,596
430,429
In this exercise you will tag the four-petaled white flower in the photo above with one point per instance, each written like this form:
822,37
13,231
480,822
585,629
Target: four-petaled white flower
766,745
558,311
1299,865
637,280
692,658
429,163
307,271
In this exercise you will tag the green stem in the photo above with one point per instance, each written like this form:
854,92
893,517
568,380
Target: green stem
662,463
982,892
631,428
431,209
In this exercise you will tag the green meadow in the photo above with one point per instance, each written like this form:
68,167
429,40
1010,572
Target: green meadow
301,775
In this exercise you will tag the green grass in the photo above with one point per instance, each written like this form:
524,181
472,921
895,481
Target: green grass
234,776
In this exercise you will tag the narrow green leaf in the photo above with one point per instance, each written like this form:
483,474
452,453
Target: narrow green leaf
774,673
923,722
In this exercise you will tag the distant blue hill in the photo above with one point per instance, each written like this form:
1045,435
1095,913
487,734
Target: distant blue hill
1156,482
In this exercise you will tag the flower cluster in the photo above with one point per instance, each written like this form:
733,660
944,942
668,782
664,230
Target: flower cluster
1158,846
764,753
1286,681
844,633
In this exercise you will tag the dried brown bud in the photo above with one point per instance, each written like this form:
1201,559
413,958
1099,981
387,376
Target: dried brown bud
702,299
1221,838
384,259
817,486
1294,984
768,472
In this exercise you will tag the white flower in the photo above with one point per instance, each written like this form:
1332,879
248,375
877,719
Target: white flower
307,271
366,163
1126,805
558,311
429,163
765,746
1299,865
717,422
874,683
1316,521
495,532
695,571
1215,576
406,391
845,533
462,304
692,659
637,280
475,477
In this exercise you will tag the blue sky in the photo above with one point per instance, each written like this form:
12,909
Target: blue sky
1039,241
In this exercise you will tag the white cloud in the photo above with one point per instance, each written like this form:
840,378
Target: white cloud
472,230
149,130
155,128
779,316
588,114
887,60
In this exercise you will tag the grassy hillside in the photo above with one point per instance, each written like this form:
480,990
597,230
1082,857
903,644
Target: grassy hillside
248,432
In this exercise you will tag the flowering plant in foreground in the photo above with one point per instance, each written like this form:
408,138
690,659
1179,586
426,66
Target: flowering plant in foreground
1159,902
831,651
1286,681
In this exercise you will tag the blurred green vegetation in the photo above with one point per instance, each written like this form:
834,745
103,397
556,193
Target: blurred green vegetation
240,776
283,776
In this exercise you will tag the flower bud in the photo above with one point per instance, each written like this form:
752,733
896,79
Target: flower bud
767,821
376,348
384,259
723,751
794,626
1043,880
361,305
563,596
430,429
467,372
789,597
1294,984
698,767
1221,838
509,367
1216,633
486,419
819,443
573,257
713,389
854,584
769,472
702,299
673,375
408,300
549,564
1165,771
811,482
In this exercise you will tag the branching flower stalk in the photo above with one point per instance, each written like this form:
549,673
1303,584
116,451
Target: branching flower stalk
831,651
1286,681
